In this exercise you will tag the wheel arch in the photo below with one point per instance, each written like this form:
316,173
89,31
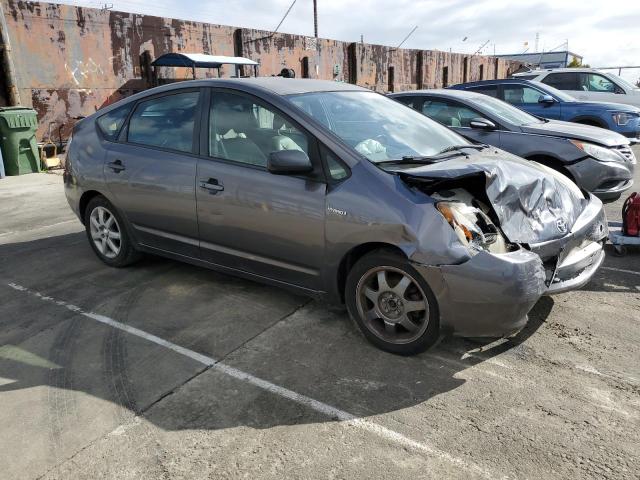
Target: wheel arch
590,120
84,201
350,258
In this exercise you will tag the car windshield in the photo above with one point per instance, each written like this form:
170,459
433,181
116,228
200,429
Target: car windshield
377,127
564,96
506,111
621,81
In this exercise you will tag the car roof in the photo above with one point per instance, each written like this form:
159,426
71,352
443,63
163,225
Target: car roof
540,71
441,92
277,85
498,81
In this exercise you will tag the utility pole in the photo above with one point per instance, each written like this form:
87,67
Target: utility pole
7,61
315,18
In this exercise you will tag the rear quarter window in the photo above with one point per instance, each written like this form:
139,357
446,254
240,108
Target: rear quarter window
111,123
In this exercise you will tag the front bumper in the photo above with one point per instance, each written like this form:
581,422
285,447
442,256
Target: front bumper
488,295
572,260
606,180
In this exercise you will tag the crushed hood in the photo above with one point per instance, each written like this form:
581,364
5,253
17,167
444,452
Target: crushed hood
533,203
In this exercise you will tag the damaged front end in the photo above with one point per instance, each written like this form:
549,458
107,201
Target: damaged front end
529,232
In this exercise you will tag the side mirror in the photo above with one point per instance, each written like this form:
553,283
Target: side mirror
619,91
283,162
482,124
546,99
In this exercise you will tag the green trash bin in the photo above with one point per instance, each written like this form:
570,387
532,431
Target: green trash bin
18,127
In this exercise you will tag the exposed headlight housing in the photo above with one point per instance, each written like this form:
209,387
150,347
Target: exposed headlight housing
473,227
599,153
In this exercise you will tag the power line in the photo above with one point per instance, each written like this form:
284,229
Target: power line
285,15
406,38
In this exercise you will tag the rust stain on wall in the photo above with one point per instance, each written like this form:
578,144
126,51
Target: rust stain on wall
70,61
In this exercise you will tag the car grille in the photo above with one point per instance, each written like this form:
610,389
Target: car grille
627,153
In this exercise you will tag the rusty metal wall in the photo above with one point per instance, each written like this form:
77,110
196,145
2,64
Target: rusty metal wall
70,61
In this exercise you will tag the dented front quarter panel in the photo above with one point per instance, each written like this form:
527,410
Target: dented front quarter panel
489,295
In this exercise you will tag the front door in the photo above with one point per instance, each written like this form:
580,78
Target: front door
458,117
528,99
250,219
151,172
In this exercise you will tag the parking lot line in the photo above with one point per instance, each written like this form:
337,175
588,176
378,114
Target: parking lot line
318,406
622,270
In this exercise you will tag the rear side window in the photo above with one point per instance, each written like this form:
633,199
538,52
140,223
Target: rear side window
111,123
521,94
491,90
166,122
562,81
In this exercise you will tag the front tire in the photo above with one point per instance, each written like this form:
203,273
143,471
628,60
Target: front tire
107,234
392,304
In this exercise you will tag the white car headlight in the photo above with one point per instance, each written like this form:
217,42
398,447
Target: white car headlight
599,153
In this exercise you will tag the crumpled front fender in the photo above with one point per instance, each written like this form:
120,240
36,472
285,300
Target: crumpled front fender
489,295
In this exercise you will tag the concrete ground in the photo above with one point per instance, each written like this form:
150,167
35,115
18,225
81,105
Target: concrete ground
165,370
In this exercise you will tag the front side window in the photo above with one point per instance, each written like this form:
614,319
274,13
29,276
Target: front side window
562,81
506,112
408,101
111,123
242,130
521,94
377,127
451,114
166,122
593,82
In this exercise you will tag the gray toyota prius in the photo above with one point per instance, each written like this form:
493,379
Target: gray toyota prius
334,191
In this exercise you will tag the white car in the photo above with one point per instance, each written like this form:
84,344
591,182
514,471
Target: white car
587,84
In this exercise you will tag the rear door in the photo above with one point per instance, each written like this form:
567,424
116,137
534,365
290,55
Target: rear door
527,98
151,171
565,81
250,219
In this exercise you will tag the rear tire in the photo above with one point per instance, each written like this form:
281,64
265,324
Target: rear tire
107,234
392,304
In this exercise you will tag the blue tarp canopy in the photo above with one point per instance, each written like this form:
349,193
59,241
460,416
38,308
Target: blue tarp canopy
199,60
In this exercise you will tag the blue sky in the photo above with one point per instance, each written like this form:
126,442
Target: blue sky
605,33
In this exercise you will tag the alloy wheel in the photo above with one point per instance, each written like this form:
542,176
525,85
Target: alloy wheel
392,305
105,232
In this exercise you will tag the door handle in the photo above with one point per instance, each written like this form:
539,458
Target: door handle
116,166
212,185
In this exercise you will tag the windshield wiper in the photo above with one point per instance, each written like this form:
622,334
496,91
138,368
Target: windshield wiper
409,159
455,148
428,159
